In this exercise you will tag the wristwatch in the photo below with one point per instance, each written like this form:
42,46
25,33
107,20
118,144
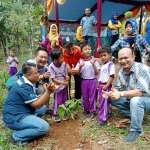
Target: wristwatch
122,94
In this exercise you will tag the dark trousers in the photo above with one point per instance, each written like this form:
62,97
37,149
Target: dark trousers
112,40
88,38
77,87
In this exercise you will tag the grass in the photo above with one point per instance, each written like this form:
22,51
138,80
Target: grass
115,136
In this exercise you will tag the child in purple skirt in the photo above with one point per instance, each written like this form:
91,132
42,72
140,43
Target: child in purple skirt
59,75
12,60
107,75
89,69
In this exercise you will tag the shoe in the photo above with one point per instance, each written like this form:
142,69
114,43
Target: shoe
49,111
65,118
132,136
57,119
92,116
99,123
84,114
18,143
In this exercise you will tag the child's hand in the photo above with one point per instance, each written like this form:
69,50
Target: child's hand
105,88
67,77
92,60
82,63
46,75
66,83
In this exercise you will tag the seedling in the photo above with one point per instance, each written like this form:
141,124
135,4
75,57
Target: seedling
71,108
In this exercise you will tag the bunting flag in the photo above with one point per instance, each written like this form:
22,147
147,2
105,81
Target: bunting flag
50,5
147,8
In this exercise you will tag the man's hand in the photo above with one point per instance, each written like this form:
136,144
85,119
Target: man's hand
115,94
52,87
98,48
46,75
73,71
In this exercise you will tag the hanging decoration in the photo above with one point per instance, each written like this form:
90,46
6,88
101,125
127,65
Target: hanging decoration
50,5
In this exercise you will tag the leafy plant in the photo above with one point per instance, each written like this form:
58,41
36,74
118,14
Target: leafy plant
71,108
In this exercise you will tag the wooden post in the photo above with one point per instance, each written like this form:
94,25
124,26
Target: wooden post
57,14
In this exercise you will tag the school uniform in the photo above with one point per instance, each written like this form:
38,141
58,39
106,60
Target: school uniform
12,66
61,94
88,84
106,71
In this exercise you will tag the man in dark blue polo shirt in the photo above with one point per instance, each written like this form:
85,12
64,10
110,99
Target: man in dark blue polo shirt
23,108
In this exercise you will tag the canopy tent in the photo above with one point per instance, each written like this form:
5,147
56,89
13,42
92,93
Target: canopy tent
72,11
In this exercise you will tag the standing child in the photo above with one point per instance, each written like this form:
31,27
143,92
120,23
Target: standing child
89,69
107,75
59,75
12,60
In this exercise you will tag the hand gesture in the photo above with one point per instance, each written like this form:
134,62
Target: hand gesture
98,48
52,87
66,83
92,60
82,63
46,75
106,94
73,71
115,94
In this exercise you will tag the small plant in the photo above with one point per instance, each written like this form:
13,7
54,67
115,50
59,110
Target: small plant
71,108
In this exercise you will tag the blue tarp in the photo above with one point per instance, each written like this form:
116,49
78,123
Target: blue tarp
72,10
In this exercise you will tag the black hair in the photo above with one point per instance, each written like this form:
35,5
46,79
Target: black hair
105,48
11,49
85,44
56,53
128,22
40,49
27,66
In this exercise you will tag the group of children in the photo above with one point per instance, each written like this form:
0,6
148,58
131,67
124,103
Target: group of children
89,69
93,77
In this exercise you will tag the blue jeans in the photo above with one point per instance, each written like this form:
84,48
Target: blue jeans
134,108
30,127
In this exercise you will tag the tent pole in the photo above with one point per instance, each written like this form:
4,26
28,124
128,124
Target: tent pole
140,22
57,14
99,20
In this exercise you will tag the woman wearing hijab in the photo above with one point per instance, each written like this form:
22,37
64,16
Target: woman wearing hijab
128,15
52,40
132,40
114,25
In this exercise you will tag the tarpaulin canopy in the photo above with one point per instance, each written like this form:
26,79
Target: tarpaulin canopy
73,10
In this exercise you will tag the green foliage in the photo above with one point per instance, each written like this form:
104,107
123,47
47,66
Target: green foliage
3,78
19,24
70,109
